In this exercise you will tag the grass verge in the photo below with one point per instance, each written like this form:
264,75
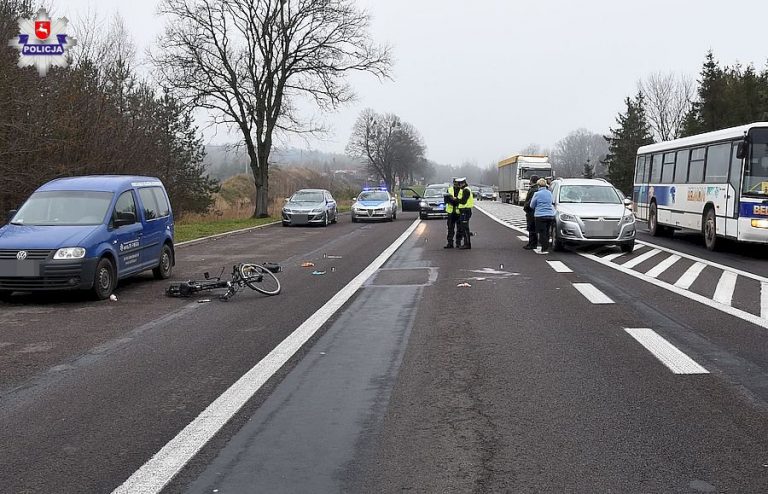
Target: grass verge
190,231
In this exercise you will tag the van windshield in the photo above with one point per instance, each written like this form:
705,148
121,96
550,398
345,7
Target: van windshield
65,207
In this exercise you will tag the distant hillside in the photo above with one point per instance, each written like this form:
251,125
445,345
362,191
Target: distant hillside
223,162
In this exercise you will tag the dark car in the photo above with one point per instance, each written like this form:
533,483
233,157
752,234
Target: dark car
432,204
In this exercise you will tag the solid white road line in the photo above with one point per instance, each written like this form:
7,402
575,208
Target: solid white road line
687,279
166,463
739,272
592,293
725,288
616,255
666,352
559,267
663,266
641,259
764,300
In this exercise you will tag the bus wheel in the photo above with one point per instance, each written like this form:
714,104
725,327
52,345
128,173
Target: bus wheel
709,229
653,221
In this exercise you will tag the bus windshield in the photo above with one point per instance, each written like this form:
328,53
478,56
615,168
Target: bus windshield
756,173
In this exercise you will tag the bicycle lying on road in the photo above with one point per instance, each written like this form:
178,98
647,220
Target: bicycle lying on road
259,277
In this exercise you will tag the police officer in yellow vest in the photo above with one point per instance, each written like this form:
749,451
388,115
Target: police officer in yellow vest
451,208
466,201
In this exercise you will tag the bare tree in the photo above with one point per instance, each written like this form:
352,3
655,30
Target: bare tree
577,148
533,149
246,60
668,99
389,147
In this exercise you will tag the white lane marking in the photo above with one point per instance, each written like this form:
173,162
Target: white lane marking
641,258
764,300
741,314
725,288
559,267
663,266
611,257
592,294
166,463
687,279
745,274
669,355
523,238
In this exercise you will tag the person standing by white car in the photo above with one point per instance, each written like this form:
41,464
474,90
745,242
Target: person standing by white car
544,215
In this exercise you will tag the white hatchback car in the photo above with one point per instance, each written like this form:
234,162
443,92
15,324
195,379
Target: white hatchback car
591,211
374,204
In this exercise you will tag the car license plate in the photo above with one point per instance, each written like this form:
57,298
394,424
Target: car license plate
11,268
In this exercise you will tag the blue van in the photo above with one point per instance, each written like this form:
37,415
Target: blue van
86,233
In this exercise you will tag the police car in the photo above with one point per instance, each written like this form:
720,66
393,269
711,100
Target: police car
374,203
86,233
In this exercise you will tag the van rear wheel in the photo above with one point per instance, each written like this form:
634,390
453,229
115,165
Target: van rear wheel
164,268
104,279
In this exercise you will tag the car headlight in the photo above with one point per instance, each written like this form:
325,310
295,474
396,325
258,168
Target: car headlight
567,217
630,218
70,253
423,204
317,210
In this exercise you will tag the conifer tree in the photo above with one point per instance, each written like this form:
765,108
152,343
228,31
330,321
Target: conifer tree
632,132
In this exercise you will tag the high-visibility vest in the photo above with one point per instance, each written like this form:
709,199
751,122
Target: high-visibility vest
470,202
448,206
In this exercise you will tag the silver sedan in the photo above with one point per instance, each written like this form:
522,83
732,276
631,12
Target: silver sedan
310,207
591,211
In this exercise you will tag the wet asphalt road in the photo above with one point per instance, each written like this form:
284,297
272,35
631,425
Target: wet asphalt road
516,384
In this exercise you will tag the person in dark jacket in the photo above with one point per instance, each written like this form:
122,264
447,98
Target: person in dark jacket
533,239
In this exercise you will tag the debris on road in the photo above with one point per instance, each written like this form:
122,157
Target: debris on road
463,285
334,257
203,301
318,273
113,297
307,264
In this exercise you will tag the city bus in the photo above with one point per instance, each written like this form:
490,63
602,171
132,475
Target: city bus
714,183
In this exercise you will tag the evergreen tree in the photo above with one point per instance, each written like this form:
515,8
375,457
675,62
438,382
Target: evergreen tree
727,97
632,132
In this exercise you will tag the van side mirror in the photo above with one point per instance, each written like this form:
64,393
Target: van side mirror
10,215
741,150
124,219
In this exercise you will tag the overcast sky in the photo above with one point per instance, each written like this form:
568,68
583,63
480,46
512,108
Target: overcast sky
482,79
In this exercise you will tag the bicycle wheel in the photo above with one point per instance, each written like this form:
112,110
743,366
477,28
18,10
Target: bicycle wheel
260,279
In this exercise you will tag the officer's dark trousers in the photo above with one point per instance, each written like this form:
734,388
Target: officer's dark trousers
464,235
453,219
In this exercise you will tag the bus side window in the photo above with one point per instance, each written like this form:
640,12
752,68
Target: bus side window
696,168
717,163
655,177
668,169
681,167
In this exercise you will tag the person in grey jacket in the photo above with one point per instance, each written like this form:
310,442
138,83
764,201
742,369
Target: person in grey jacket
544,214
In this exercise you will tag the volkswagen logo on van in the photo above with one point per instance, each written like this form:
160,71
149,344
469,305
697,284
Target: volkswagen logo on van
21,255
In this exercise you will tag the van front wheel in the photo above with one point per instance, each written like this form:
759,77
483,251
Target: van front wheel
104,280
164,269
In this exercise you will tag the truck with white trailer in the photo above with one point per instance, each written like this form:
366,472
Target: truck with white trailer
515,175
